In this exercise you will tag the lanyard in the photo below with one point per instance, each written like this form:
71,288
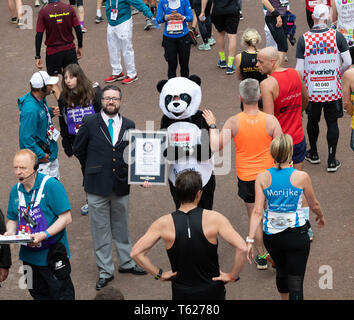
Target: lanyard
29,207
110,4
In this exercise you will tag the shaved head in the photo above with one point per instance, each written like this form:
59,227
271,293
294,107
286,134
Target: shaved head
268,60
269,53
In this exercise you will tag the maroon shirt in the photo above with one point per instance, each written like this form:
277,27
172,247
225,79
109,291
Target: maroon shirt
57,19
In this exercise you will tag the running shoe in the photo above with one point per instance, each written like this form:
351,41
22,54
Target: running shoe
14,20
20,22
83,29
211,41
261,262
84,210
128,80
222,64
270,260
99,19
312,157
231,69
37,3
134,11
333,166
241,15
148,24
196,34
205,47
193,38
113,78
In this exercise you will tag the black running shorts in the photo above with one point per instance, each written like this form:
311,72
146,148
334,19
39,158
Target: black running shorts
57,62
226,22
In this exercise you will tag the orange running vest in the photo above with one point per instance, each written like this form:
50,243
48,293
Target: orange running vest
252,146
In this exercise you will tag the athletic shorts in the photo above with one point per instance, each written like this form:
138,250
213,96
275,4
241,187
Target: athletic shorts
226,22
57,62
299,152
246,190
79,3
332,110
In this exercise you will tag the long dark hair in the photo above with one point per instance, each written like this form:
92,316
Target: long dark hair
84,92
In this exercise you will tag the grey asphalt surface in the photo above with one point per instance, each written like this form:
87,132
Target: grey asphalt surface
331,250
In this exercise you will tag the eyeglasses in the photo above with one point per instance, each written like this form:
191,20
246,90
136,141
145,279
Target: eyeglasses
109,99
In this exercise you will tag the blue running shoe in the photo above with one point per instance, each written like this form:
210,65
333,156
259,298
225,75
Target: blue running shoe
222,64
231,69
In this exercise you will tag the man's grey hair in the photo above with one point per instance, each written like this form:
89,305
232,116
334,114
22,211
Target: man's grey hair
250,91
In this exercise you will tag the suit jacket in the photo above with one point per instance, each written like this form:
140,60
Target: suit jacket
105,168
5,251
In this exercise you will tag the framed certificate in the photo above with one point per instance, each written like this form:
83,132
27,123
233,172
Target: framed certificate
146,161
20,238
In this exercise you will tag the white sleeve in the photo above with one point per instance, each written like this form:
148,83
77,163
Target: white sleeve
347,61
300,65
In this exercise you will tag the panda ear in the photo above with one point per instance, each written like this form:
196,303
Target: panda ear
160,85
195,79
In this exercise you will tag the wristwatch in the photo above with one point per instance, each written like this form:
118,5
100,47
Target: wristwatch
158,276
37,57
212,126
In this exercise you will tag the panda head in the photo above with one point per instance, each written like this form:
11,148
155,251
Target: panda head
180,97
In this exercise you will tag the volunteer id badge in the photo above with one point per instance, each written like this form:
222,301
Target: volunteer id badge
114,14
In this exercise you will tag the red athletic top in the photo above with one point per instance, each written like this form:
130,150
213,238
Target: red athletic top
57,19
311,4
288,105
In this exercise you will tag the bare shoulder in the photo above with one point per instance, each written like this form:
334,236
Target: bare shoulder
300,178
268,84
163,221
213,216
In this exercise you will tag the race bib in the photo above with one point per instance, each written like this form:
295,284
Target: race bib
180,139
174,26
277,220
322,84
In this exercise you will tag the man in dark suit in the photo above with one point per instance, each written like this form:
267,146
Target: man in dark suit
101,142
5,252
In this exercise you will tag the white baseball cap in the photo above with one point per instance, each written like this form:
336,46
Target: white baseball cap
41,79
321,11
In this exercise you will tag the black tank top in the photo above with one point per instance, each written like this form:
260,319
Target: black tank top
248,67
194,258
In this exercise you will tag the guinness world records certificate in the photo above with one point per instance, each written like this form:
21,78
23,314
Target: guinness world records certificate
146,161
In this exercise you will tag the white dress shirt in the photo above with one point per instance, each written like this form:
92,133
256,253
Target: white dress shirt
116,125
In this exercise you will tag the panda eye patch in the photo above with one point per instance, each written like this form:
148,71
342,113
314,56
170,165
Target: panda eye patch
168,99
186,97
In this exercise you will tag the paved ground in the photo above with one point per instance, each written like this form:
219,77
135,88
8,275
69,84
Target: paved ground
332,247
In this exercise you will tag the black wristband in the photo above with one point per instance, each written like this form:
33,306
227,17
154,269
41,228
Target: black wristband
37,57
158,276
275,13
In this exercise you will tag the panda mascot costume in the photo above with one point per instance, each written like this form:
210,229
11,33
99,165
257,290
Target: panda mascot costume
188,134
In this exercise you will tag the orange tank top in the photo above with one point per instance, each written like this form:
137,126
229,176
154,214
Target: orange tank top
252,146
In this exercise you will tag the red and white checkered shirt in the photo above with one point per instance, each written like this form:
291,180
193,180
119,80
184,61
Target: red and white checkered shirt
322,66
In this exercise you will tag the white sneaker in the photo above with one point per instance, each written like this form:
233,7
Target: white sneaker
204,46
211,41
84,209
37,3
